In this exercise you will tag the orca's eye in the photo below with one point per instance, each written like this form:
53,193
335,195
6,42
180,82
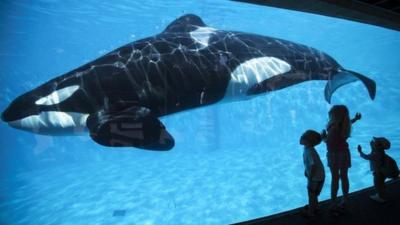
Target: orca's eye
57,96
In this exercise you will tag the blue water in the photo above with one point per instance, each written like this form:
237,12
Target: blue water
231,162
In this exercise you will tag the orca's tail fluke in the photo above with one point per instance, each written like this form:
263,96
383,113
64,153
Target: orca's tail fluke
344,77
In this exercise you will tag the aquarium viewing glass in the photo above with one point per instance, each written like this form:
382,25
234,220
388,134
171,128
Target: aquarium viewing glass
231,162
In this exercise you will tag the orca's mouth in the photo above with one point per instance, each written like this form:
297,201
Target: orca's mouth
9,115
5,116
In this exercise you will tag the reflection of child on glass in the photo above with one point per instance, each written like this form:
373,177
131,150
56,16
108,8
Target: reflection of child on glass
314,170
376,159
337,132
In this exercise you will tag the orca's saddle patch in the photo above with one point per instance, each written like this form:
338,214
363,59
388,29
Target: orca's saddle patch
133,127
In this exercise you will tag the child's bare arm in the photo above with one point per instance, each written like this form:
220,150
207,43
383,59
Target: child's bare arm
356,117
327,134
324,135
362,154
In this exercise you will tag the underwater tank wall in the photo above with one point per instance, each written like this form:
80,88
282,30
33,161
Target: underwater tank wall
231,162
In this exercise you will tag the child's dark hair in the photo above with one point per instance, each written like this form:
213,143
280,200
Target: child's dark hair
312,137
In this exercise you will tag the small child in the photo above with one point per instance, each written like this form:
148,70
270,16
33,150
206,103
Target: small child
376,159
314,170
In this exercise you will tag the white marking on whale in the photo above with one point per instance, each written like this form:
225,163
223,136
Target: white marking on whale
57,96
202,35
252,72
52,121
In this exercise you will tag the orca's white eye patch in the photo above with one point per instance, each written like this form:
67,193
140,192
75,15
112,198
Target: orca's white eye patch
57,96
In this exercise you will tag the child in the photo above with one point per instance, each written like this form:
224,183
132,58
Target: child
338,130
376,159
314,170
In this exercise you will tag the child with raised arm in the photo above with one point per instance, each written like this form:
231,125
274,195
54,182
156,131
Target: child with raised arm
376,159
314,170
337,132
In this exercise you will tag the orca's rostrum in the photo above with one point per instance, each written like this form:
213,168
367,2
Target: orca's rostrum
119,96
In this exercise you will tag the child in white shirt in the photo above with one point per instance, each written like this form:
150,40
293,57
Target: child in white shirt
314,169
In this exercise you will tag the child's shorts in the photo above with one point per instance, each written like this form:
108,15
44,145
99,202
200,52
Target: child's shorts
340,159
315,187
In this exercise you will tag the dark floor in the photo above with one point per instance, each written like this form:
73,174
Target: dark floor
360,210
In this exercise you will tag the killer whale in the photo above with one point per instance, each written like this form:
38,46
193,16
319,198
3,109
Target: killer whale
119,97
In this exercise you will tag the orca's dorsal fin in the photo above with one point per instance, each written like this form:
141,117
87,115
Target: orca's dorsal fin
185,23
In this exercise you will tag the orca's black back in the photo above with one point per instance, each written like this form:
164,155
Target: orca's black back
170,72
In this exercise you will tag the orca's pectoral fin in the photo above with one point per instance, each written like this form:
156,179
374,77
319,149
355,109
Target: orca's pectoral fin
132,127
345,77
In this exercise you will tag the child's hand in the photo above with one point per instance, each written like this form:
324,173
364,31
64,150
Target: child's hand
359,148
357,116
323,134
